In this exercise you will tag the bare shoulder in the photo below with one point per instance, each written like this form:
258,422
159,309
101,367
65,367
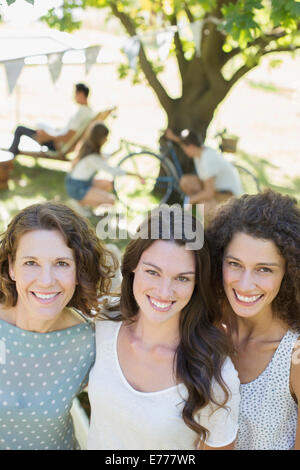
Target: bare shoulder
295,370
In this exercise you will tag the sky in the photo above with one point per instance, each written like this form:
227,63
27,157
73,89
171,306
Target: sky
23,12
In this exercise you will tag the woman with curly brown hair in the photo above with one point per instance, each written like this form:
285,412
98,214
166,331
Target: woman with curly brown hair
52,267
255,246
162,377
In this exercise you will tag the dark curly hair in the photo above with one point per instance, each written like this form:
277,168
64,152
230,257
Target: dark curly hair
203,347
95,265
269,216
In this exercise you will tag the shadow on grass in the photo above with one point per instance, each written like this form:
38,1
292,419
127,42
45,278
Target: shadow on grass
263,169
36,182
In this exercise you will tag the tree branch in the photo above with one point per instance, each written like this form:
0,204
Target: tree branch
239,74
246,68
262,42
146,66
182,63
188,13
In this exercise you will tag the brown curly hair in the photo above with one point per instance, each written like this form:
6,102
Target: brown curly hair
269,216
203,347
95,265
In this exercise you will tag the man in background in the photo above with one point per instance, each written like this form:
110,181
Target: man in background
55,138
216,179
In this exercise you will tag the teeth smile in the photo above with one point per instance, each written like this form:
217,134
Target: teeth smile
160,304
247,299
44,296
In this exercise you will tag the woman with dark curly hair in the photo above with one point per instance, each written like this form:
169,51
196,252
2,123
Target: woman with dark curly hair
162,377
52,265
255,246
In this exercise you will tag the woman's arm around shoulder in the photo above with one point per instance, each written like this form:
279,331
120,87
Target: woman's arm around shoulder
222,421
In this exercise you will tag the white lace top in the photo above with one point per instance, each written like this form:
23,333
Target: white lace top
268,412
123,418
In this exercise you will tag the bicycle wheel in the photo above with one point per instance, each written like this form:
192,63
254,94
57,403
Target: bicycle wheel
158,186
249,181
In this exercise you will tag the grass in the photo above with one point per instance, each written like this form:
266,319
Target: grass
41,180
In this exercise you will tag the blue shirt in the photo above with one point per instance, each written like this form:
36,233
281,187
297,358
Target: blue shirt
40,374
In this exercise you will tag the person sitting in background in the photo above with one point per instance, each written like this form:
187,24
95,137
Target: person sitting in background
54,138
81,183
216,179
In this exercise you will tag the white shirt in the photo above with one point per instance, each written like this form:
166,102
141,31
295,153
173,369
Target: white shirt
89,165
212,164
80,118
83,114
123,418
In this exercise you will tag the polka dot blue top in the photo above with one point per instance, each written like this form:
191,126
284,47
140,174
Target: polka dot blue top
40,374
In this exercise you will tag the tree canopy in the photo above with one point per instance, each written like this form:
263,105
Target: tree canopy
235,35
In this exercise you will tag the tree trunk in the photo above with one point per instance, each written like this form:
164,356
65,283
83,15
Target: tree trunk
196,117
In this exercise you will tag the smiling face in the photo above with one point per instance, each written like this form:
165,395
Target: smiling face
44,270
164,280
253,271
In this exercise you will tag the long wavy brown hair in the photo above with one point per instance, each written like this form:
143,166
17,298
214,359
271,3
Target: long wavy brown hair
93,142
268,216
203,346
95,265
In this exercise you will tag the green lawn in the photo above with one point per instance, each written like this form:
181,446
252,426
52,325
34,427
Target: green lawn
40,180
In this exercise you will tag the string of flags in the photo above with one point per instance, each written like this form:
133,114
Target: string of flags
13,68
161,40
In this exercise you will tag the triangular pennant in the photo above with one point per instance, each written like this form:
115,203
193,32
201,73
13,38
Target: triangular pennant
55,65
132,49
164,40
196,28
91,54
13,69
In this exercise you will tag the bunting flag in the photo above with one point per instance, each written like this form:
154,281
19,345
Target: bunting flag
196,28
164,41
55,65
91,54
13,69
132,49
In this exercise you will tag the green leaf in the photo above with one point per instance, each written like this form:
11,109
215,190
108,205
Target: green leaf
30,1
10,2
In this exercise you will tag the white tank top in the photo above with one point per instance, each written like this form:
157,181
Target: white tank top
268,412
123,418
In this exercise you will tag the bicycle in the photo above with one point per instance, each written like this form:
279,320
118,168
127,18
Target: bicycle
161,173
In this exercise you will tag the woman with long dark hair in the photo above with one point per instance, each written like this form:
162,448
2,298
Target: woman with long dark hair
255,246
81,183
162,377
